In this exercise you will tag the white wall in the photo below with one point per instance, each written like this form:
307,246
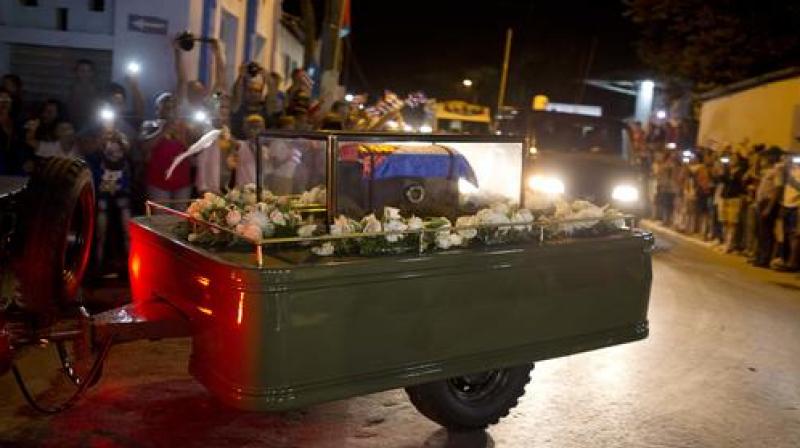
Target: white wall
289,45
266,26
43,16
154,51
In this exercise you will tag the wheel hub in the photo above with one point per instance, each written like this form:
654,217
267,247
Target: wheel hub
476,387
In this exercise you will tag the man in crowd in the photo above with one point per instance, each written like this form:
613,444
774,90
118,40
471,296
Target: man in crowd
767,206
84,94
13,154
788,179
192,96
248,97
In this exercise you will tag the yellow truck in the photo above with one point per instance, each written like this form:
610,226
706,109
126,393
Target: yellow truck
460,117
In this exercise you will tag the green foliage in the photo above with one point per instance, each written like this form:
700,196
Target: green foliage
715,42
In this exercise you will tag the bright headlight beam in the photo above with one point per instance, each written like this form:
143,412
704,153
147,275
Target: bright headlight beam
625,193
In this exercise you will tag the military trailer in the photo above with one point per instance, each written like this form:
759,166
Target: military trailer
454,310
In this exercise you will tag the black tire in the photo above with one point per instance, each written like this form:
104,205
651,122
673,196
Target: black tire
473,401
57,226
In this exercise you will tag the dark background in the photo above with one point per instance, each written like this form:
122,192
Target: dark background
432,45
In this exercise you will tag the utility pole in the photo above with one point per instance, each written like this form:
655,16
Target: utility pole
504,74
587,70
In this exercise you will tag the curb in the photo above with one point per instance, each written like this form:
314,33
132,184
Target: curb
784,278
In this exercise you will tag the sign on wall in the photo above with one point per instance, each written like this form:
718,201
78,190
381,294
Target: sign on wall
147,24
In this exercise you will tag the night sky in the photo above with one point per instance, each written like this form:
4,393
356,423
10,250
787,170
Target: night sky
432,45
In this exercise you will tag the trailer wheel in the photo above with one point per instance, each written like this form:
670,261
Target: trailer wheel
57,227
472,401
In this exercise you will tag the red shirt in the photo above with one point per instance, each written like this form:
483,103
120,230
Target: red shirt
161,157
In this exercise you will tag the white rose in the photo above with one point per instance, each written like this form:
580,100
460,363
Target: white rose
325,250
371,224
321,197
500,208
251,187
306,230
443,240
415,223
467,221
256,218
522,216
209,197
484,216
342,225
234,195
233,218
391,213
193,237
277,218
456,239
395,226
249,197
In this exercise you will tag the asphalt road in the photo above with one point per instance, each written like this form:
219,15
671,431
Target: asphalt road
720,369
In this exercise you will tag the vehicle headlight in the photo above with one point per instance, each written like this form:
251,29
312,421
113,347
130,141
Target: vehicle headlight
625,193
546,184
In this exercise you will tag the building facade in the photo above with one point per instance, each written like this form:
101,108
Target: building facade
40,40
762,110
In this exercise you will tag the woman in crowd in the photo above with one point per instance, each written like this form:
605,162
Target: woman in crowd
163,139
41,132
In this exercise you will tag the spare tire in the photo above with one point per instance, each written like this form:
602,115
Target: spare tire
57,225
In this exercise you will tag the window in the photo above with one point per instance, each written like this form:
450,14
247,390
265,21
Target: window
29,2
62,18
97,5
287,61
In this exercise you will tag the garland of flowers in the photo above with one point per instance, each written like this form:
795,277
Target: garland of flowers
245,218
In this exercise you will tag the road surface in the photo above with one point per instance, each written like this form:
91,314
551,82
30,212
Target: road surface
721,369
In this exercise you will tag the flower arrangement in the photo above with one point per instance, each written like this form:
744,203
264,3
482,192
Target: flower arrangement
239,215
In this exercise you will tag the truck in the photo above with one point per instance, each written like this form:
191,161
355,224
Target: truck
578,155
449,298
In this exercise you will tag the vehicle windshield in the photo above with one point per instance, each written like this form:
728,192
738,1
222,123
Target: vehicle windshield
560,132
462,127
576,134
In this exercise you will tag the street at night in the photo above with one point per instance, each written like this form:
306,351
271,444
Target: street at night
721,368
353,223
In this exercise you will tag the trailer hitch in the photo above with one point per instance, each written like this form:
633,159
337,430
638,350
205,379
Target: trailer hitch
89,336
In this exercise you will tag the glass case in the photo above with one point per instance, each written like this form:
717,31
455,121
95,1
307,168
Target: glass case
422,175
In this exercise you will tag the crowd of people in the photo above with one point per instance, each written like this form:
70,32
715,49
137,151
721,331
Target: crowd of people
129,153
743,198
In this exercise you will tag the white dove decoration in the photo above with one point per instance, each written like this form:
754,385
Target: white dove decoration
203,143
